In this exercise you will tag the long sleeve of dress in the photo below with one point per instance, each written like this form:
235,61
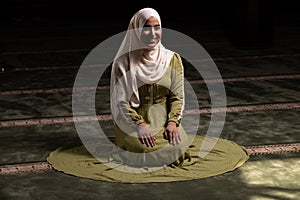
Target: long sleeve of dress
130,113
176,99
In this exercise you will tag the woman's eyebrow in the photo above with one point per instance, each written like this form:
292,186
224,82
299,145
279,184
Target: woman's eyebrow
147,25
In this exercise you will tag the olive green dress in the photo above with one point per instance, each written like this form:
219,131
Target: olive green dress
131,161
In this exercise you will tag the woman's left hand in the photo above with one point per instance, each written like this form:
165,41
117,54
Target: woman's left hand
171,133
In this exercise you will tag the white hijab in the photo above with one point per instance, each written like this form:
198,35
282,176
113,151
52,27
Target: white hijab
132,62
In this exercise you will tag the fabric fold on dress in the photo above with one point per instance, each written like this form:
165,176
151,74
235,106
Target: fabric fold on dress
225,157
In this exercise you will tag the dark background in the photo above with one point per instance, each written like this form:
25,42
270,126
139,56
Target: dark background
248,23
44,42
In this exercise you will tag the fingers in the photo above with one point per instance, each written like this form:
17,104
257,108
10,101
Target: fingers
172,136
148,140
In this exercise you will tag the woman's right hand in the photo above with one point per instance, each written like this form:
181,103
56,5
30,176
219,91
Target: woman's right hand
146,135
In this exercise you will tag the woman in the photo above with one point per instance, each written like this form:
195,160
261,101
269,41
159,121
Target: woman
147,103
147,94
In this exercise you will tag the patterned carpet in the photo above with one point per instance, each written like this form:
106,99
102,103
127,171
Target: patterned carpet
263,100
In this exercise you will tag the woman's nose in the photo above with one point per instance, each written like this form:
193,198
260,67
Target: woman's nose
152,31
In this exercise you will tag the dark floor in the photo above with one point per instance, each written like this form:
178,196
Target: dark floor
48,57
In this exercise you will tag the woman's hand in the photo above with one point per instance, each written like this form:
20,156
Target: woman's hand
172,134
146,135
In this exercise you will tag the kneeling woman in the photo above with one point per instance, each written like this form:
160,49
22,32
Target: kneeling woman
147,103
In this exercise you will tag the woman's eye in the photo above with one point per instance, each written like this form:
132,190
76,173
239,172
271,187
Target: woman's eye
146,29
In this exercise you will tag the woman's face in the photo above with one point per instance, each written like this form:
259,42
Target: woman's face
151,32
